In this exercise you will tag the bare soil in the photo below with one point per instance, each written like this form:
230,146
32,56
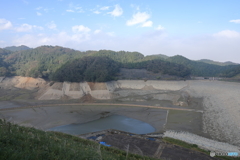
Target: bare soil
74,87
97,86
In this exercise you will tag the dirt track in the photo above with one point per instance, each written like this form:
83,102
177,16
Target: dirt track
101,104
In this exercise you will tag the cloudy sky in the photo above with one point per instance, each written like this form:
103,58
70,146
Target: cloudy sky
203,29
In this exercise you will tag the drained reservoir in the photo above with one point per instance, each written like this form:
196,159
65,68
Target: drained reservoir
111,122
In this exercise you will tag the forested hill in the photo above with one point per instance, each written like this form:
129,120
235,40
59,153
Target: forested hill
19,48
49,61
88,68
4,52
121,56
201,68
41,61
4,66
217,63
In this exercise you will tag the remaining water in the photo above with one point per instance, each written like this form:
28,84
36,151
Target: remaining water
112,122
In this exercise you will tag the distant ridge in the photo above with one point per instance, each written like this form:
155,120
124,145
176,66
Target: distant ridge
4,52
160,56
217,63
44,61
17,48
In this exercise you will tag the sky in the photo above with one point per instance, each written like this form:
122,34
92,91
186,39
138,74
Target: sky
203,29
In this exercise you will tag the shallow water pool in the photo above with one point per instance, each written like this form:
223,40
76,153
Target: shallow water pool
111,122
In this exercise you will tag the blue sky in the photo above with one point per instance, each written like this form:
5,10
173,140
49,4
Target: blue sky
207,29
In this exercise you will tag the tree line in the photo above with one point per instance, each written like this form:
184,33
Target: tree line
50,62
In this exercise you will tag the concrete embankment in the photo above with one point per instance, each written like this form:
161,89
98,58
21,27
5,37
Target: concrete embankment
106,90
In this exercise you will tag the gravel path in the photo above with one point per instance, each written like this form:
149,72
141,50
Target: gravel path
99,104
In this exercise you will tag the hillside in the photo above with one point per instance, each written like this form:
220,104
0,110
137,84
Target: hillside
157,56
18,142
121,56
4,66
217,63
4,52
232,72
44,61
90,69
201,68
41,61
19,48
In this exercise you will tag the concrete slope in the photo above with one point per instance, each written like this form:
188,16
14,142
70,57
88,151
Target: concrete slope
105,90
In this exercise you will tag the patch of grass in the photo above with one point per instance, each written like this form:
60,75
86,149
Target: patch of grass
23,96
6,98
184,144
17,142
195,147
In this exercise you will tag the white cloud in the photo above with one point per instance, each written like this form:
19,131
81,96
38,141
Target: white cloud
139,17
136,7
5,24
27,28
118,11
79,9
112,34
227,34
38,27
32,40
147,24
38,8
96,12
39,14
69,10
61,39
97,31
1,42
24,28
80,28
213,47
47,9
159,27
235,21
26,2
51,25
74,8
104,8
